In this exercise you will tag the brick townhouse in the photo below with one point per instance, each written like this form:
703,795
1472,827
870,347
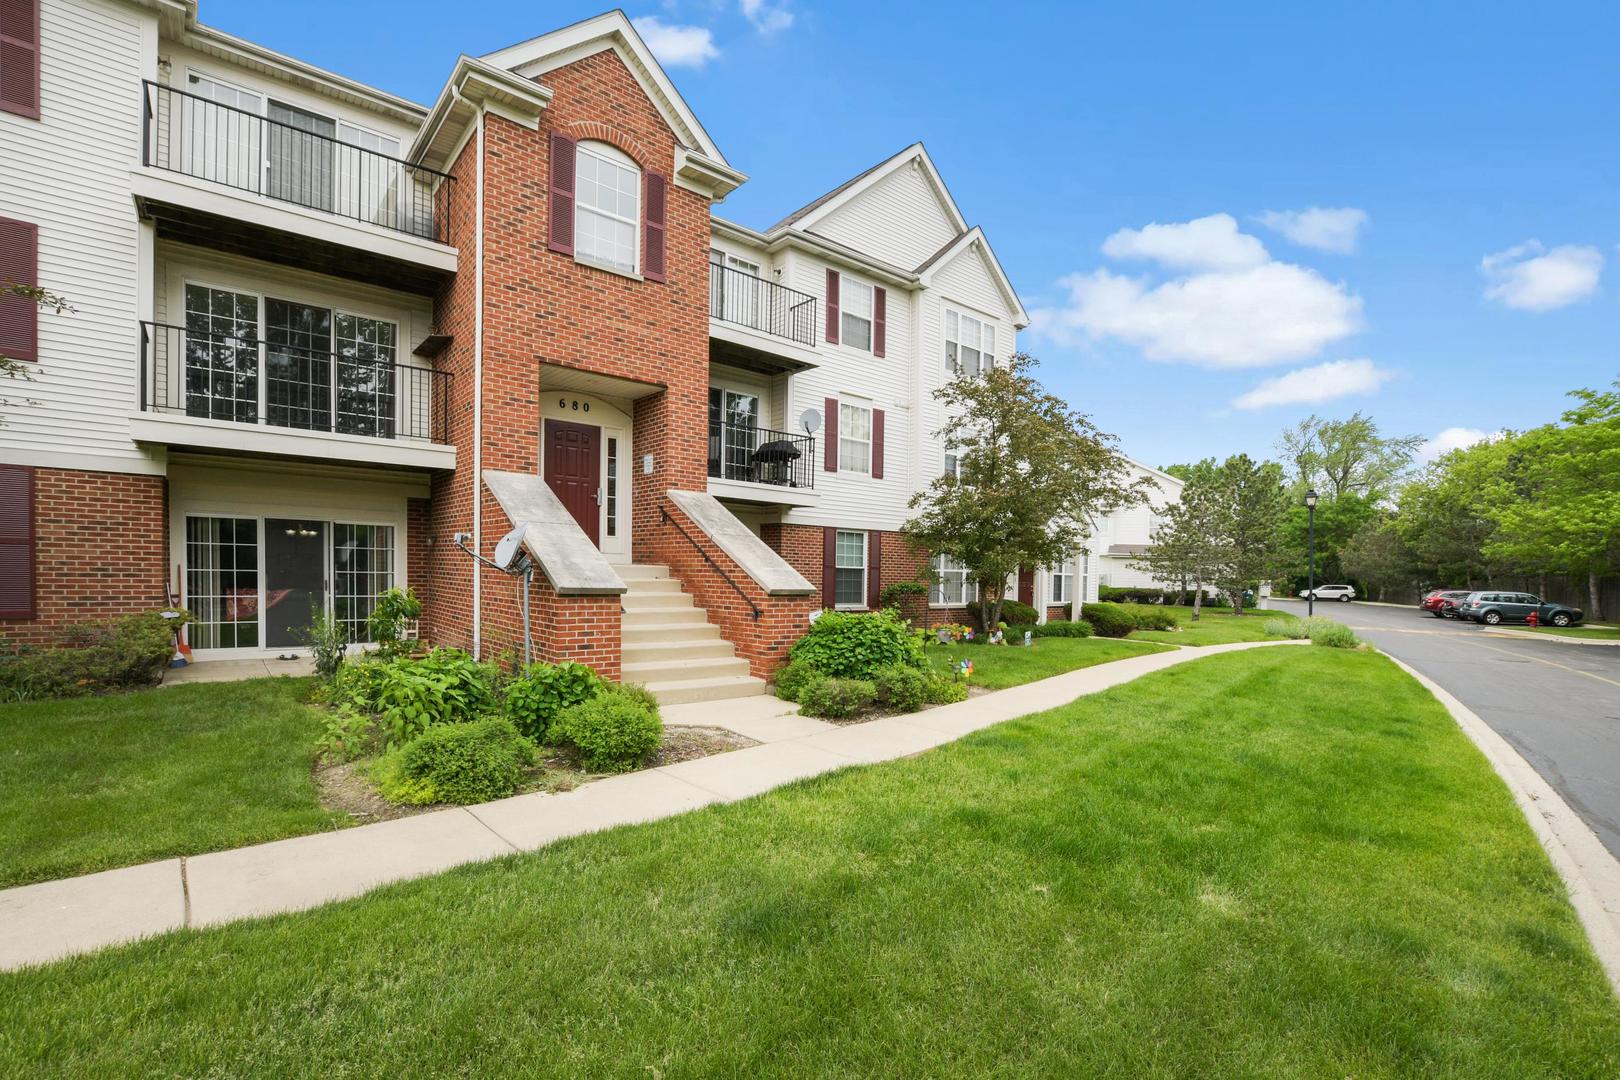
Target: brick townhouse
325,340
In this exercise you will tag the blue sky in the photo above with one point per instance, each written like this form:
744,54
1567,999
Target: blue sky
1464,277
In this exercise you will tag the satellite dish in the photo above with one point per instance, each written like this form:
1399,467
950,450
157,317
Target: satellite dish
510,549
810,420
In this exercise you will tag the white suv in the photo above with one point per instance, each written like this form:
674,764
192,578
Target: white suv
1345,593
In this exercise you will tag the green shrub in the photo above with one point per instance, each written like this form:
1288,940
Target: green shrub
634,692
1334,635
345,734
612,732
1060,628
836,699
1130,595
121,654
535,697
940,689
1154,619
1293,629
1012,611
903,689
1109,620
853,645
385,624
459,763
445,686
328,640
793,676
896,593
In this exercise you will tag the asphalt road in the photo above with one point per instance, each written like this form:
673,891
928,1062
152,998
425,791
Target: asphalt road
1559,705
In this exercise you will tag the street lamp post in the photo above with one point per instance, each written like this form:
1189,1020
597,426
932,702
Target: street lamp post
1310,552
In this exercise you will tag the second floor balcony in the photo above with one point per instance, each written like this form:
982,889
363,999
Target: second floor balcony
765,326
756,464
209,390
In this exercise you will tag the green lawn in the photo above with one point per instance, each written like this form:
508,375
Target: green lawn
1602,633
1215,626
1191,875
997,667
94,783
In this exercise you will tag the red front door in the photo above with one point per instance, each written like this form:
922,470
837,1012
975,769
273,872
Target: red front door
574,471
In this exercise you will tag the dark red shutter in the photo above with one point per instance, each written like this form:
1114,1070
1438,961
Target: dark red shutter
19,57
880,320
654,210
832,301
829,567
19,265
877,444
561,224
16,542
830,461
874,553
1026,586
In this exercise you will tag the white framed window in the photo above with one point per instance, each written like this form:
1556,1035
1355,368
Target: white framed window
855,307
952,584
607,206
849,570
970,343
953,466
1062,577
854,438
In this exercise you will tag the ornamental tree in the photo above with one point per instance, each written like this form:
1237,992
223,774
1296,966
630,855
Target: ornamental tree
1032,476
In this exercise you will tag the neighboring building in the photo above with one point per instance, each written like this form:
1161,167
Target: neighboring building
1125,534
324,336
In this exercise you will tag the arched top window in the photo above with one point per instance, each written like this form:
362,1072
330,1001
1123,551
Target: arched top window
607,207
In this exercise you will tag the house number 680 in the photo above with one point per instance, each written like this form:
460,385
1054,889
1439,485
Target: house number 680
575,404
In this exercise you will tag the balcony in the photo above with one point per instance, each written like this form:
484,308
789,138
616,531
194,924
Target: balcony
220,175
220,392
757,324
755,464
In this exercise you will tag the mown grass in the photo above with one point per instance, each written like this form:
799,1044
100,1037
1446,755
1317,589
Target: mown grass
1600,633
996,667
1215,626
93,783
1190,875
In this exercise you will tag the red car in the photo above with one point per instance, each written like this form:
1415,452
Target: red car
1442,603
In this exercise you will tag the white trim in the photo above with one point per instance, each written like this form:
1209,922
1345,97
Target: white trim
866,568
976,235
476,477
865,404
915,152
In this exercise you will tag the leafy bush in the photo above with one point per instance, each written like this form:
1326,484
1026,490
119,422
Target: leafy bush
1293,629
903,689
534,698
457,763
835,698
122,654
1130,595
328,640
944,689
1334,635
395,608
896,593
1109,620
1012,611
1154,620
1059,628
851,645
445,686
345,734
612,732
793,676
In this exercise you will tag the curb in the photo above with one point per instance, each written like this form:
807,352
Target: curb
1529,635
1591,874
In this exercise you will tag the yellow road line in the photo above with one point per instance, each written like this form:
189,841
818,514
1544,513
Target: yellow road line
1549,663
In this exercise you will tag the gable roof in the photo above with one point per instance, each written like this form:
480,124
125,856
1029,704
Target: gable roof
807,215
611,30
966,241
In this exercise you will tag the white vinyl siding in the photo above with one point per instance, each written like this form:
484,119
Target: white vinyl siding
899,220
849,570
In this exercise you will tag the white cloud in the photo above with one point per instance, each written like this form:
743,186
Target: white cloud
1206,243
767,18
1530,277
1453,438
1266,314
1314,385
676,46
1334,229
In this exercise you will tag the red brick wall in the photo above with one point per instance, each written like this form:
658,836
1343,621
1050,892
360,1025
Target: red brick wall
1057,612
764,641
803,547
101,550
419,549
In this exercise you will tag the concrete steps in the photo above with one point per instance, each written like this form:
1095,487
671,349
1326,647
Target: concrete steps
669,645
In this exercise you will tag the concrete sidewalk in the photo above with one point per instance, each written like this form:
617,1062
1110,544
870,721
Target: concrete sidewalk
54,919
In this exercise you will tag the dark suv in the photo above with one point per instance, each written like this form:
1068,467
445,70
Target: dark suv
1493,608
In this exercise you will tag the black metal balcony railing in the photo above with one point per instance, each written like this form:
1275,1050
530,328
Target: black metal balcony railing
185,133
246,381
761,456
739,297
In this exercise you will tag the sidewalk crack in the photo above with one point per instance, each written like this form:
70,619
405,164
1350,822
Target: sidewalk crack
490,828
185,894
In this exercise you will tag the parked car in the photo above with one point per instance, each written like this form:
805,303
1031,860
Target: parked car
1344,593
1442,603
1494,608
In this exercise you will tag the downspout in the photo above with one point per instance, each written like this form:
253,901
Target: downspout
478,393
